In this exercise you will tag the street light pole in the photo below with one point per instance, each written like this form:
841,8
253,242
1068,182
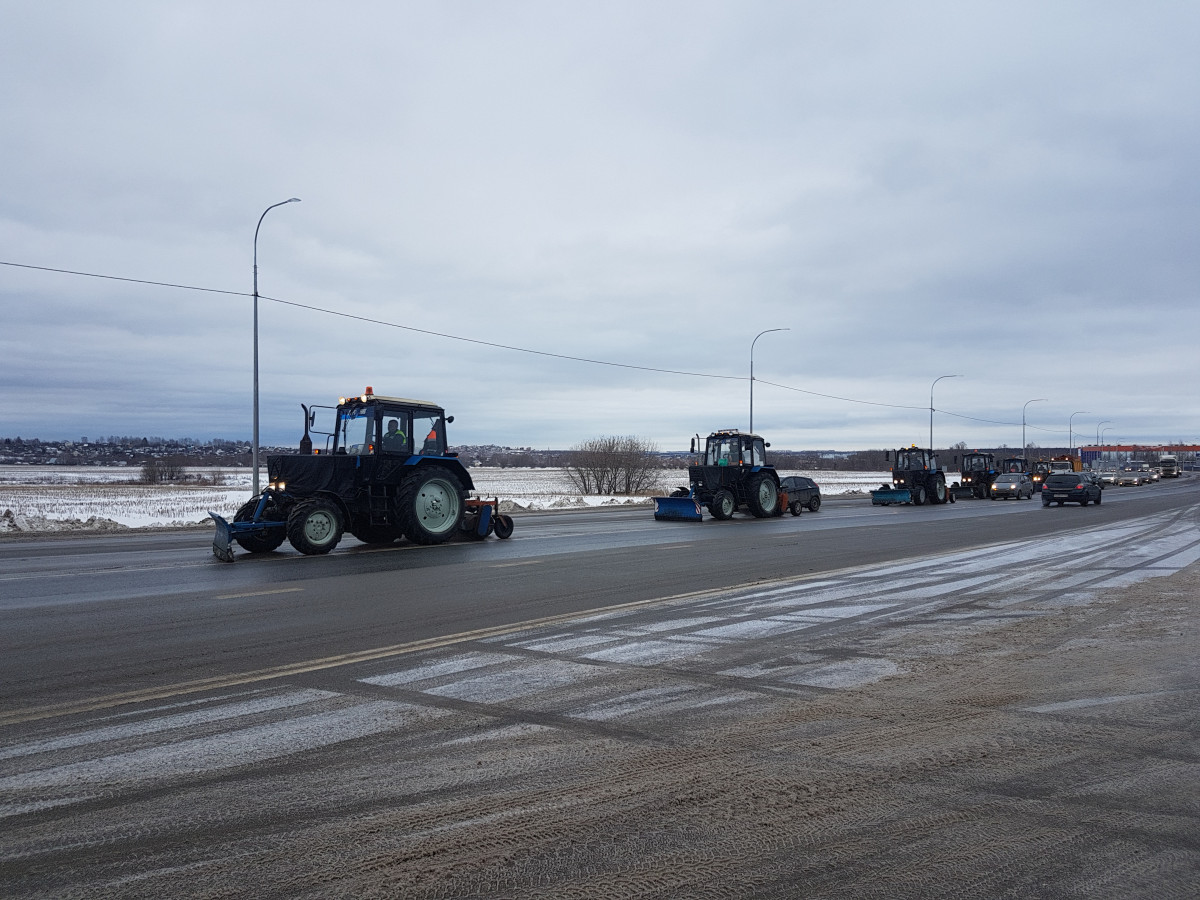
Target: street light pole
752,343
254,454
1071,429
1023,408
1100,432
935,381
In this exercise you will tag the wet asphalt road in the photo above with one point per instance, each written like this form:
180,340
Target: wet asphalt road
95,617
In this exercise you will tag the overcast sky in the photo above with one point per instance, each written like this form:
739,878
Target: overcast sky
1004,191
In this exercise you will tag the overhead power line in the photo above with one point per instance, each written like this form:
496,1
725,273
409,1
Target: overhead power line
499,346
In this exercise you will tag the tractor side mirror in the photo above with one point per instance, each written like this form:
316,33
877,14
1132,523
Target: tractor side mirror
449,420
766,443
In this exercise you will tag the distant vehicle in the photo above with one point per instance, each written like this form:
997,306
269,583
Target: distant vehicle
1065,463
1070,487
1041,469
1169,466
978,470
1014,464
1012,484
1130,477
802,492
1108,476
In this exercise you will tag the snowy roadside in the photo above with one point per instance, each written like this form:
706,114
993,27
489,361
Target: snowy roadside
52,499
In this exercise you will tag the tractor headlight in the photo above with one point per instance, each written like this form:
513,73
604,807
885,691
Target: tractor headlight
278,485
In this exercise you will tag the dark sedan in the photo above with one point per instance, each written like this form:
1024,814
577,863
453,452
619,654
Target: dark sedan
801,492
1014,484
1071,487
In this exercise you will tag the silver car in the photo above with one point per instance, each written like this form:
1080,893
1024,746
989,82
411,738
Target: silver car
1012,484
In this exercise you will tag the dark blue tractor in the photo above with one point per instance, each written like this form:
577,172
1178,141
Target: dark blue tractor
384,474
731,471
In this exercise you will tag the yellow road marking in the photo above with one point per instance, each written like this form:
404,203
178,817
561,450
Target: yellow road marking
223,682
258,593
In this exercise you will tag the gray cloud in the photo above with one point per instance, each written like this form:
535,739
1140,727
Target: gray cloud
1002,191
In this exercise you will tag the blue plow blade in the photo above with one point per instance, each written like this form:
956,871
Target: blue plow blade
221,545
676,509
886,497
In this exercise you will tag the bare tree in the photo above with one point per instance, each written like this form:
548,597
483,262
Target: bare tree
614,465
162,471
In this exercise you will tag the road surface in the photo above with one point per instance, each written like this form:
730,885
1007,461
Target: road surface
985,699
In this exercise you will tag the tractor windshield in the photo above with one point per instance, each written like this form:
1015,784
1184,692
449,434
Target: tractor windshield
974,463
722,451
910,460
356,431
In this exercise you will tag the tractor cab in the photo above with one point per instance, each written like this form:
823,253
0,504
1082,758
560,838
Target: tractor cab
733,448
914,459
372,425
978,472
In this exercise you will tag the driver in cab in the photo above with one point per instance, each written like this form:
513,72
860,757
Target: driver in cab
394,440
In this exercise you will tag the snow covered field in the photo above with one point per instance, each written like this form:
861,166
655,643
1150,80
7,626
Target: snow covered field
63,498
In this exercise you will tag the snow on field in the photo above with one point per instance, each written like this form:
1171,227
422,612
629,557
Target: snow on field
65,498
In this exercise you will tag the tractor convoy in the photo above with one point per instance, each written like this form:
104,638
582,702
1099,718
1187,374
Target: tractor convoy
385,473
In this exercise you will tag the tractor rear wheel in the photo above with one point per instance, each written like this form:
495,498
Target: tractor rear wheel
431,505
722,505
267,540
315,526
762,496
939,490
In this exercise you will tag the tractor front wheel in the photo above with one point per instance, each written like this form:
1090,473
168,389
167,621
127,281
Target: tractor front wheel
269,538
918,496
763,496
723,505
315,527
431,504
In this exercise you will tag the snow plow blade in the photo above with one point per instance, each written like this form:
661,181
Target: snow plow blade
221,546
888,496
677,509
